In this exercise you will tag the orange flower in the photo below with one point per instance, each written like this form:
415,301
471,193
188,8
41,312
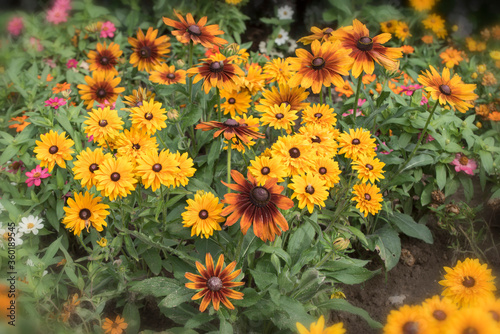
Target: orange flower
327,63
60,87
215,283
22,123
344,89
101,87
104,58
451,57
114,327
257,205
188,30
427,39
321,35
148,51
494,116
217,71
232,128
407,49
366,50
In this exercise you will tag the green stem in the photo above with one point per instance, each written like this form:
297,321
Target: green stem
161,141
321,96
229,163
331,96
218,103
358,89
422,135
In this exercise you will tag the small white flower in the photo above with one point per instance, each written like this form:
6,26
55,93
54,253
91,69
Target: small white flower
84,65
30,263
4,235
45,272
293,46
282,37
262,47
30,224
285,13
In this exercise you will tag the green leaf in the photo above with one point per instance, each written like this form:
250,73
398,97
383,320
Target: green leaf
8,153
350,275
309,284
341,5
409,227
225,327
301,240
198,320
486,161
155,286
129,245
388,244
51,251
263,280
132,318
251,297
441,176
176,298
278,251
153,260
344,305
419,160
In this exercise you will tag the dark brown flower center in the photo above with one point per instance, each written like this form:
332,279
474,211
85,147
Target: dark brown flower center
279,115
328,31
171,76
93,167
115,176
445,89
318,115
214,283
495,316
53,149
103,123
232,123
368,166
15,165
463,160
265,170
231,100
203,214
356,141
194,30
388,25
217,66
368,197
260,196
439,315
318,63
294,152
101,93
322,170
145,52
136,146
104,61
410,327
470,330
316,139
84,214
309,189
148,116
157,167
468,282
365,43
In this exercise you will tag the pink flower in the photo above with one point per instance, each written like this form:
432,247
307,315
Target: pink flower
424,100
57,15
90,138
35,43
15,26
36,175
55,102
384,152
14,166
410,89
63,4
50,62
428,139
464,164
111,106
358,112
108,29
72,63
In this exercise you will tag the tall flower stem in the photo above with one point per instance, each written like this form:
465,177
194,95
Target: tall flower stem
321,96
229,163
422,135
331,96
360,80
218,103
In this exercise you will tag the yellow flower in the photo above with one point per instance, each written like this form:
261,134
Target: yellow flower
319,328
451,57
409,319
368,197
369,168
103,124
264,168
87,162
421,5
321,138
236,102
278,70
327,169
320,114
150,116
156,169
115,178
135,143
280,117
469,283
495,55
103,242
309,189
203,214
471,320
53,148
294,152
185,169
85,211
439,310
356,142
